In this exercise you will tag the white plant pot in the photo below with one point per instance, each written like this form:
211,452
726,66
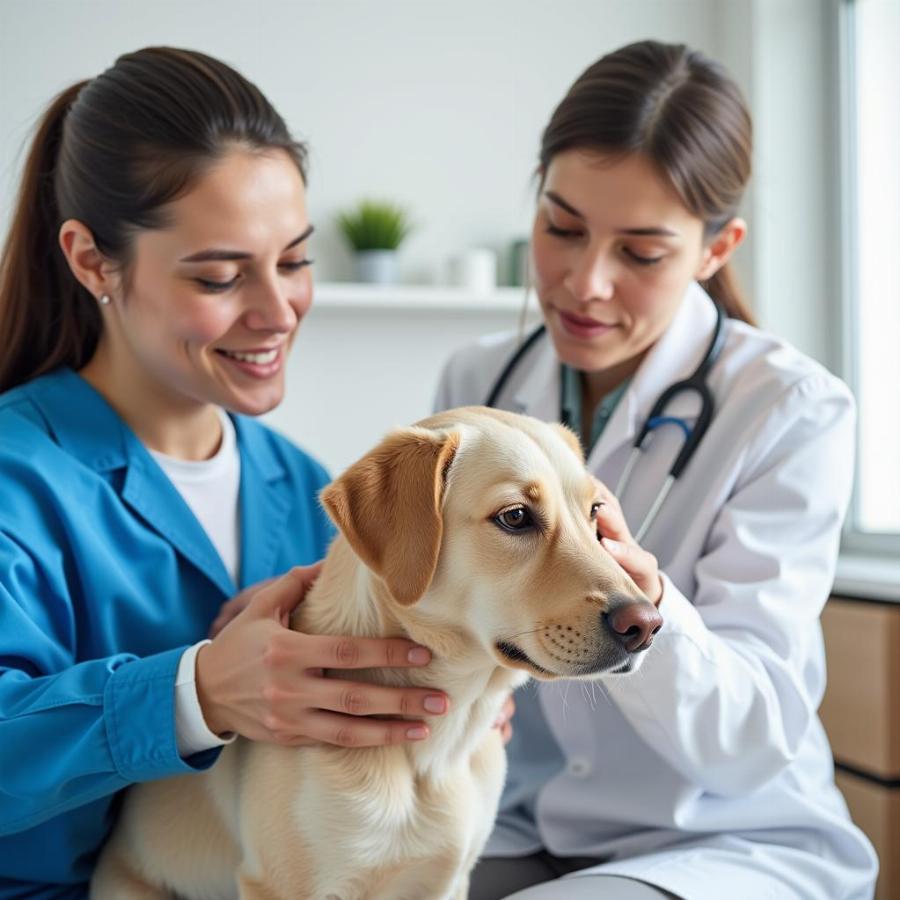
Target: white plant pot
377,266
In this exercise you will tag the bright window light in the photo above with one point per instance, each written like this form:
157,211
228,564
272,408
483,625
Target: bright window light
874,132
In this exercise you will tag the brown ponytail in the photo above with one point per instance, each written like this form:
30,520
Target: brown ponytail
725,289
46,317
681,110
111,153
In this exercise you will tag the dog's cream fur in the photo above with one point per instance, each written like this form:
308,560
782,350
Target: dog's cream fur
421,554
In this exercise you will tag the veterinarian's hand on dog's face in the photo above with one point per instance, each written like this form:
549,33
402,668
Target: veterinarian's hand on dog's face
263,681
625,550
504,720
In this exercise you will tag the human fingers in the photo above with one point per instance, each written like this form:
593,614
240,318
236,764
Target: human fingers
336,652
258,677
616,537
222,619
504,719
358,731
356,698
278,598
287,709
611,520
506,712
232,608
640,564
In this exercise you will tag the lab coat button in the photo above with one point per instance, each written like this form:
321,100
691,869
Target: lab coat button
579,767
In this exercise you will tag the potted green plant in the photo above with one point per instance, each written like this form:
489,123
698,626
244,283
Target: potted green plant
375,229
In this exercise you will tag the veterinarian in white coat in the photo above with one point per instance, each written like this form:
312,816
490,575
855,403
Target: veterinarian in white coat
706,774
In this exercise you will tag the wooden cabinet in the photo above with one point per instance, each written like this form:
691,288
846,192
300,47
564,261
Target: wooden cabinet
876,810
861,713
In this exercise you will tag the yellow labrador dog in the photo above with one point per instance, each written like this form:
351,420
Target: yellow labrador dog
472,533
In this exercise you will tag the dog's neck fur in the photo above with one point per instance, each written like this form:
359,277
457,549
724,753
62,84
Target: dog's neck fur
348,599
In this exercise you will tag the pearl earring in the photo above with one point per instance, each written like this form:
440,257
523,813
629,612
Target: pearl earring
104,299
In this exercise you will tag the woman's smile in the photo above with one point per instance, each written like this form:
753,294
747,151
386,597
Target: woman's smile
584,327
258,363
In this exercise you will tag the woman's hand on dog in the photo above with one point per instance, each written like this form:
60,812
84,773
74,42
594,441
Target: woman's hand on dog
237,604
261,680
625,550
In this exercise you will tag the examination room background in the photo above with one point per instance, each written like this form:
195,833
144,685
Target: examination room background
439,106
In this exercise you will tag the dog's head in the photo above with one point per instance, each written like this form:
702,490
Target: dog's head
482,523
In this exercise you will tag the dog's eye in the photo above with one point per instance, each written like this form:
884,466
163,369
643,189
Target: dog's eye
516,518
595,509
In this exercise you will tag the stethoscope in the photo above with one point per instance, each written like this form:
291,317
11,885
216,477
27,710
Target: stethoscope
696,382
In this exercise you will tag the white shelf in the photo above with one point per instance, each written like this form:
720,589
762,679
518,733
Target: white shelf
416,297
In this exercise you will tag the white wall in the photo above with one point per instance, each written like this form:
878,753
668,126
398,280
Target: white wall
795,188
358,372
440,105
437,104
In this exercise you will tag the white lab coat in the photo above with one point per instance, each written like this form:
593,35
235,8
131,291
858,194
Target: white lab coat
708,772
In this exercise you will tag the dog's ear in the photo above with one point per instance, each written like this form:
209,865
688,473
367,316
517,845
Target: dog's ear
570,438
388,506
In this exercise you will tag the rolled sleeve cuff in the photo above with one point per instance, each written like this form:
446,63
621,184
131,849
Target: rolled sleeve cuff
191,732
139,712
680,647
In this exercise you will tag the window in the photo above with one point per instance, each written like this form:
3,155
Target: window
870,222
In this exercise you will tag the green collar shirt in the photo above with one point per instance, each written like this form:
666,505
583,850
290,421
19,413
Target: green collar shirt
571,404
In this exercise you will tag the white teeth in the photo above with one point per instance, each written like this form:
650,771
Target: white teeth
260,359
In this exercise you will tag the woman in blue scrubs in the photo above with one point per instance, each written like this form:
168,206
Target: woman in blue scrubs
152,284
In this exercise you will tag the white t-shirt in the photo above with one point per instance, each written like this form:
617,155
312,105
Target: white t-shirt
211,489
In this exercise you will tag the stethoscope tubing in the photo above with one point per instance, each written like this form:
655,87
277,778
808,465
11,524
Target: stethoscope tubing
513,364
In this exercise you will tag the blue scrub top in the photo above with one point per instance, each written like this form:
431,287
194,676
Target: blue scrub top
106,577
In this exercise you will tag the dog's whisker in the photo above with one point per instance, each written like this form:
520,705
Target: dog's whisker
604,693
530,631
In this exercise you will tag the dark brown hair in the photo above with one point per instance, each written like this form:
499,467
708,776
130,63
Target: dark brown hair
112,152
681,110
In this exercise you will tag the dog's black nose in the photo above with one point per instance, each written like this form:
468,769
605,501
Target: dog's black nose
633,623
